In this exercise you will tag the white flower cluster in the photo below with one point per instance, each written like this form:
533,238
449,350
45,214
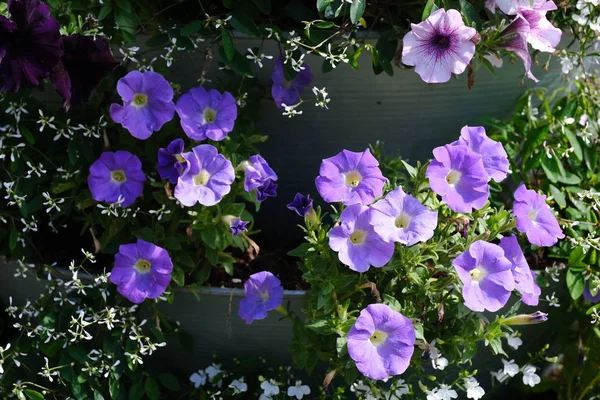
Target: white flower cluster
588,14
511,369
397,389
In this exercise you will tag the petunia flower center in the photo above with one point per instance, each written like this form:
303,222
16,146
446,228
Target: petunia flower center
358,236
532,214
140,100
201,179
477,273
209,115
453,177
352,178
378,338
264,296
179,158
142,266
403,220
442,42
118,176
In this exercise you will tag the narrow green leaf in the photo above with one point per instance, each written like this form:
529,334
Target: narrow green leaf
114,388
152,389
33,395
170,382
575,283
227,41
244,24
357,8
322,4
574,144
559,197
178,276
470,14
191,28
430,7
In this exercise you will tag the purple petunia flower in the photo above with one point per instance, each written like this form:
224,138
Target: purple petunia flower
381,342
260,177
535,219
147,103
30,45
85,62
458,175
493,155
115,175
142,270
207,179
587,294
543,36
171,161
263,293
206,114
515,40
439,46
486,276
400,217
238,226
350,177
355,241
285,92
302,204
511,7
522,274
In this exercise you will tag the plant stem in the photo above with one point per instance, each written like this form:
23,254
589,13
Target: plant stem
589,386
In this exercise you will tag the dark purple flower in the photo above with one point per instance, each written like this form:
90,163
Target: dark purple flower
439,46
207,179
85,62
493,155
268,189
350,177
263,293
206,114
171,161
355,241
400,217
142,270
458,175
147,103
486,276
587,294
535,219
526,319
288,92
115,175
515,40
302,204
543,36
237,226
260,177
524,277
30,45
381,342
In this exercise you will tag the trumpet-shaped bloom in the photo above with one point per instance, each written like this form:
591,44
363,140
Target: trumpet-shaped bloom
515,39
171,161
142,270
350,177
400,217
486,276
288,92
302,204
260,177
381,342
535,219
116,175
263,293
493,155
439,46
524,277
543,36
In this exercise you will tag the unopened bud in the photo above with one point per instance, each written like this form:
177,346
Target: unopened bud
526,319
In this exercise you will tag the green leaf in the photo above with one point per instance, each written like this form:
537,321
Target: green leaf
125,20
98,395
591,157
574,144
575,283
27,134
170,382
301,250
78,353
326,25
412,171
191,28
569,179
105,11
227,42
264,6
576,259
430,7
227,262
551,168
323,4
357,8
559,197
470,14
33,395
243,23
178,276
322,327
152,389
136,392
238,63
114,388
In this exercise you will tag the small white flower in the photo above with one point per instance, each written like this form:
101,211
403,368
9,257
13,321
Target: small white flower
553,300
47,372
401,388
221,22
270,388
198,378
298,390
212,371
510,368
474,391
239,386
514,341
445,392
529,376
291,111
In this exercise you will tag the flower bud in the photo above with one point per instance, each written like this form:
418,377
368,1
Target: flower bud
526,319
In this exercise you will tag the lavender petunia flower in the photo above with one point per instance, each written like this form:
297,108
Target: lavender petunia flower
535,219
522,274
85,62
207,179
511,7
357,244
515,40
493,155
260,177
263,293
116,175
543,36
288,92
147,103
171,161
439,46
238,226
400,217
486,276
458,175
30,45
381,342
302,204
206,114
142,270
350,177
587,294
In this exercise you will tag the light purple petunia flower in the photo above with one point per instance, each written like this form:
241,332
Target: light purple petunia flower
535,219
587,294
288,92
171,161
486,276
524,277
263,293
259,176
350,177
400,217
511,7
458,175
142,270
302,204
543,36
493,155
115,175
207,179
355,241
147,103
207,114
515,40
439,46
381,342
